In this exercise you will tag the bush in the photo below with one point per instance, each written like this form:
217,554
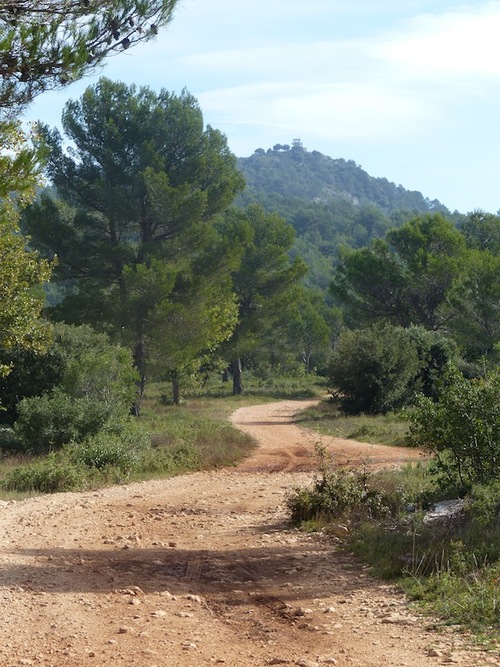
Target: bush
47,476
94,368
50,421
435,351
462,429
373,368
120,446
31,374
331,497
80,362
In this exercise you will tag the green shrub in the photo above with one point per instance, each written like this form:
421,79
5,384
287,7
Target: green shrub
104,451
32,373
372,369
462,429
81,362
120,445
94,368
331,497
52,420
485,505
50,475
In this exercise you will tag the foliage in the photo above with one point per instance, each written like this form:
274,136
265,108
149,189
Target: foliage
44,476
262,280
308,327
80,362
22,272
93,384
46,46
371,369
107,451
31,373
48,422
94,368
476,304
435,351
462,429
331,497
482,231
405,278
140,188
354,496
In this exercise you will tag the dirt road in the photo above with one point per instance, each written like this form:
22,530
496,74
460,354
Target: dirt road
202,569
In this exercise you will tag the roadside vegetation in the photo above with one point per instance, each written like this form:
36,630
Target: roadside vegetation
449,564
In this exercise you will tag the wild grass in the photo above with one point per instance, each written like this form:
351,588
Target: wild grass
326,418
165,440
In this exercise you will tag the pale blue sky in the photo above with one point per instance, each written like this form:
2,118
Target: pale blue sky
409,90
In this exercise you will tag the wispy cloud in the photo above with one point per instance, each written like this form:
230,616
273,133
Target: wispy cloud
338,111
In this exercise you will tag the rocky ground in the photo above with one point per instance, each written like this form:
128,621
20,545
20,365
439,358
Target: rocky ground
203,569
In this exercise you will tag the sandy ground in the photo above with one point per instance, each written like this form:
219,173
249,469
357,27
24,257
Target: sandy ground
203,569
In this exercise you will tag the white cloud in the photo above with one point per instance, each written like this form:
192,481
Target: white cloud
463,42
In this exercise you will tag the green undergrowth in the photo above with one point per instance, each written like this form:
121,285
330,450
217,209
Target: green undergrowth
451,568
165,440
327,419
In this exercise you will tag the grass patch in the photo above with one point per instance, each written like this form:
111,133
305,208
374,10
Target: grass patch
327,419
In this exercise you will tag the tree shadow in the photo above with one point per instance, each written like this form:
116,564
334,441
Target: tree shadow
293,570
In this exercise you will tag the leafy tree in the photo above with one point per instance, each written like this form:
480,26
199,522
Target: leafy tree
371,369
462,429
263,279
405,278
188,331
435,350
309,325
48,44
482,231
22,273
141,181
476,302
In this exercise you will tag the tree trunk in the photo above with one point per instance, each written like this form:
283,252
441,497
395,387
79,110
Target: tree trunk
237,373
140,364
176,389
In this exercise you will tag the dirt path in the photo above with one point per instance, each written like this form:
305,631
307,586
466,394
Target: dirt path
202,569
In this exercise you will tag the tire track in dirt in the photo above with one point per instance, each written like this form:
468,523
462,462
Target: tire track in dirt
288,447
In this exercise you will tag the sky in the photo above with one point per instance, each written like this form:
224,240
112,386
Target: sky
409,90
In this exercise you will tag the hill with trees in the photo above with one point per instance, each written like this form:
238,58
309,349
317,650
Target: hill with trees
329,202
294,172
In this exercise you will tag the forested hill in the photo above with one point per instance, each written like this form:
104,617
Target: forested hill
293,172
329,202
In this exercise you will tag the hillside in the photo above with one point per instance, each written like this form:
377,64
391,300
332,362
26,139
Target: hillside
329,202
295,172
